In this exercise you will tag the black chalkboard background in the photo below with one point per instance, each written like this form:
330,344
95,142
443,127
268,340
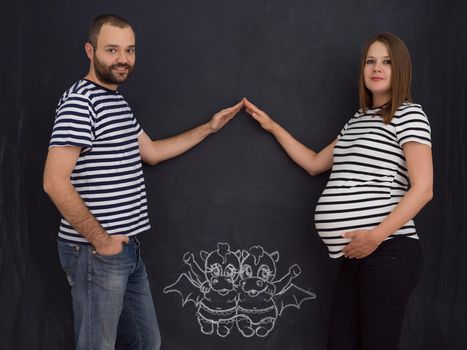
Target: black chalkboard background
298,60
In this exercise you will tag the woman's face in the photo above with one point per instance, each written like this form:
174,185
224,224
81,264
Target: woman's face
377,73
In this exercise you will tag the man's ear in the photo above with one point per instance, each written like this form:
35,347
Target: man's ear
89,50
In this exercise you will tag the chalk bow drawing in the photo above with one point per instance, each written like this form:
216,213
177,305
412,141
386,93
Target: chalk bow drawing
238,288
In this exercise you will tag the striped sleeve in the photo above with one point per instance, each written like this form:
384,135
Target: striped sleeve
344,129
412,125
73,123
136,127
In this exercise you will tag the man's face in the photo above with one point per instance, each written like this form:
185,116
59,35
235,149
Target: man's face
114,57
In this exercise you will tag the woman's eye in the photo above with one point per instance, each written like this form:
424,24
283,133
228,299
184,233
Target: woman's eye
387,61
370,61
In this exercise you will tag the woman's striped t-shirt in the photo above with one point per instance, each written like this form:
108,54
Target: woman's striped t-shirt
108,174
369,174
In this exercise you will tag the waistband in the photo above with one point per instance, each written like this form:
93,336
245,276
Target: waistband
131,239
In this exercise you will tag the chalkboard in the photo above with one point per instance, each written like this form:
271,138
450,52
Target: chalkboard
237,191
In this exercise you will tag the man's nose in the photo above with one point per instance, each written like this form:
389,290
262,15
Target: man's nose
122,58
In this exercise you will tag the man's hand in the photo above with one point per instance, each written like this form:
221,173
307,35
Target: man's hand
224,116
362,244
153,152
112,245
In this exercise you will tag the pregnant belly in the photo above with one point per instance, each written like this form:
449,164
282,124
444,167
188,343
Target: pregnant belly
341,211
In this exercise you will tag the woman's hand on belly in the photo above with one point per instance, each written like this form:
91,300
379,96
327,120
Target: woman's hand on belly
362,244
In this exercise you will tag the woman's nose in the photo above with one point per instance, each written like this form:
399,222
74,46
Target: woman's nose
377,67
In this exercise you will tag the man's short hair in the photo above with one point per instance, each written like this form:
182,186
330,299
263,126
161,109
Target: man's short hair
98,22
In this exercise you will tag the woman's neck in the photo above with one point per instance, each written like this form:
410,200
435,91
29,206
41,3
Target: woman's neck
380,100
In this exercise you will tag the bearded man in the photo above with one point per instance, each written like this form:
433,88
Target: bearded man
94,176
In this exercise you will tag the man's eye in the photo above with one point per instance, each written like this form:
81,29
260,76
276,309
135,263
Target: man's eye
111,50
130,51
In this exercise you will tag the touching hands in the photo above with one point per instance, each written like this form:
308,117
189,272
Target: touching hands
260,116
362,244
224,116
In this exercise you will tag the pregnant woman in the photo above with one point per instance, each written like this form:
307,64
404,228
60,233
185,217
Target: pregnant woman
381,177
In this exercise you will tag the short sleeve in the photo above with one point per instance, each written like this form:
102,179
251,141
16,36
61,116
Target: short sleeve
412,125
344,129
136,127
73,123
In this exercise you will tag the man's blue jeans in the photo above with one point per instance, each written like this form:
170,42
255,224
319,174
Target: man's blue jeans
112,302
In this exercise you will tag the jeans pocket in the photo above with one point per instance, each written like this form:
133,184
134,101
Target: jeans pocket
69,256
109,257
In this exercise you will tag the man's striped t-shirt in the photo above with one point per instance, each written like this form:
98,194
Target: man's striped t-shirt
108,174
369,174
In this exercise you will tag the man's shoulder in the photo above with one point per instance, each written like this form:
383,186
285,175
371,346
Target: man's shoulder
80,91
85,92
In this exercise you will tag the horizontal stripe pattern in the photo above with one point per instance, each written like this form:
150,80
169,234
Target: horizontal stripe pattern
108,174
369,174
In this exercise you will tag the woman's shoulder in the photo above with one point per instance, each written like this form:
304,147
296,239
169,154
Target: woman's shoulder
408,107
409,111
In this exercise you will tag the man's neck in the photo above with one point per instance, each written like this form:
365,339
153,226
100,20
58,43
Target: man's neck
92,77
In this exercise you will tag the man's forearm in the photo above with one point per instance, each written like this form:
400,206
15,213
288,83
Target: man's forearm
176,145
75,211
153,152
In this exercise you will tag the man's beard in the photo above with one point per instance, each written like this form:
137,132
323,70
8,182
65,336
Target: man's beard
107,74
